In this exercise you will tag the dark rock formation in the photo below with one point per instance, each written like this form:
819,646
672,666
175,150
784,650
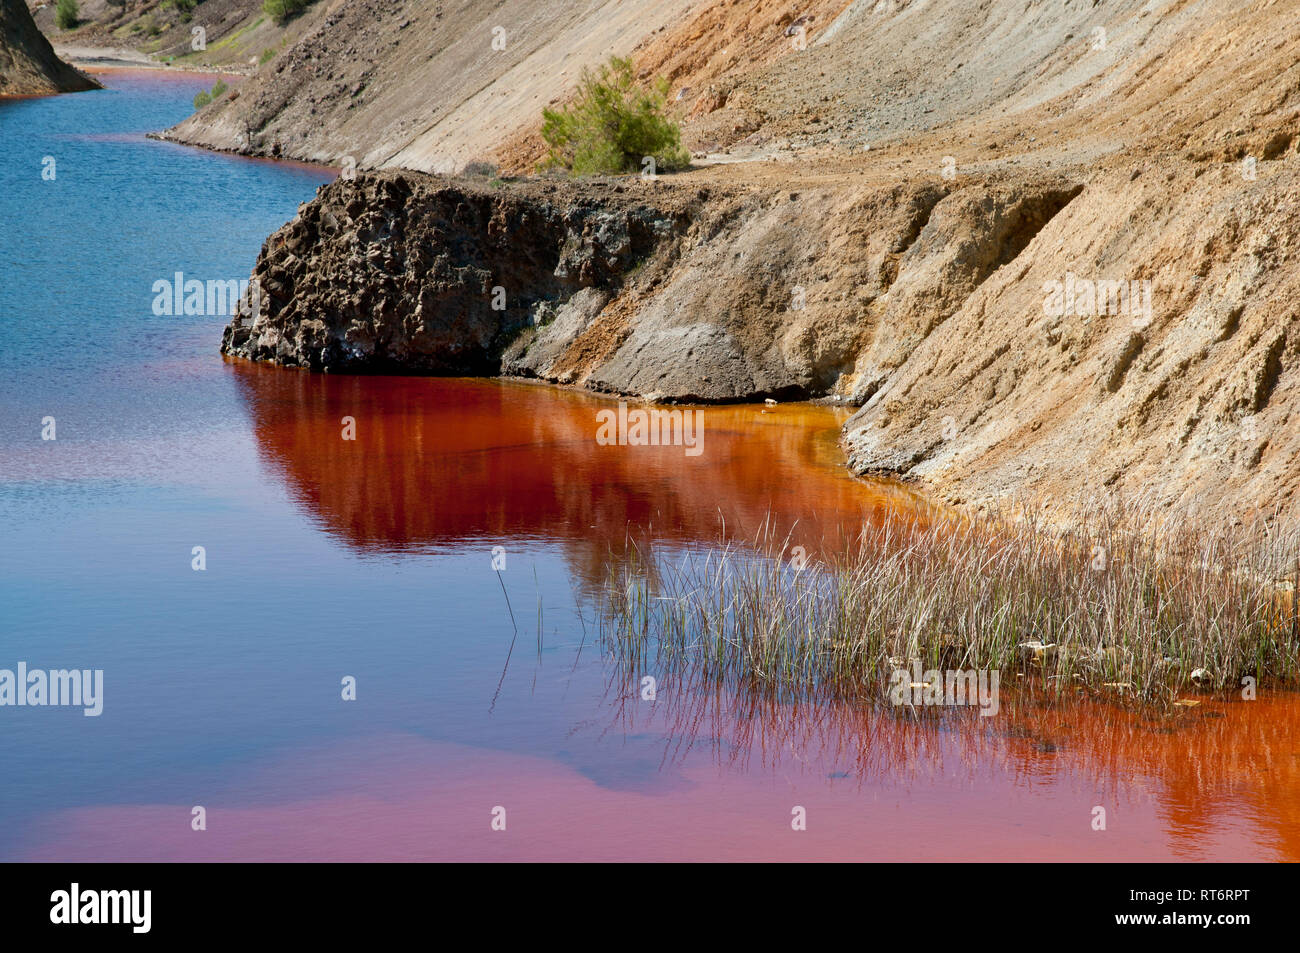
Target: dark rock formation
28,66
395,272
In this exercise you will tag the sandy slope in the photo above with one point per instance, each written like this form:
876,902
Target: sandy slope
419,84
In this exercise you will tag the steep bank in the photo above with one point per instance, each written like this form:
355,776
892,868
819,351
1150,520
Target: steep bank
28,66
1064,267
418,85
624,285
404,272
1193,399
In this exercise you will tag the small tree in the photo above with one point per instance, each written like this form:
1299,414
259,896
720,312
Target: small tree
614,125
66,14
203,97
282,11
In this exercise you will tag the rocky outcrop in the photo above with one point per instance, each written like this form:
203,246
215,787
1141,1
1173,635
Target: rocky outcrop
401,272
28,66
630,286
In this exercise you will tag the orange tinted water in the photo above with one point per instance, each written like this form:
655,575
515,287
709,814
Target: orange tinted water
437,461
466,704
372,558
702,773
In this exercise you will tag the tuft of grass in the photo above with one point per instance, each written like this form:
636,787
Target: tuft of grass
268,54
614,125
481,169
1119,604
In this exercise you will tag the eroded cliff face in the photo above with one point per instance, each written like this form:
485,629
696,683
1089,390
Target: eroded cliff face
28,66
404,272
1053,379
634,287
1002,335
1065,266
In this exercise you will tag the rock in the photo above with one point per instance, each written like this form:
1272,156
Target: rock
28,64
446,281
1037,652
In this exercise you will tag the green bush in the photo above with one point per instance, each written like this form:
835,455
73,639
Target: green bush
282,11
66,14
206,96
614,125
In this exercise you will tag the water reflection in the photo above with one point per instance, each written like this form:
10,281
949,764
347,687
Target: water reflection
438,462
1224,777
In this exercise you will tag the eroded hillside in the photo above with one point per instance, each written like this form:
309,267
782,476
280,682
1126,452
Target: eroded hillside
235,35
28,64
1047,248
419,85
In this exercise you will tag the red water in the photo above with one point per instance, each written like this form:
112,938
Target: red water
436,462
1220,784
702,774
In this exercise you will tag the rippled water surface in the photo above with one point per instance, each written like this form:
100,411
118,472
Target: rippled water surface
373,559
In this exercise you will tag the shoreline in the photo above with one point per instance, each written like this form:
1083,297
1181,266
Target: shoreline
107,58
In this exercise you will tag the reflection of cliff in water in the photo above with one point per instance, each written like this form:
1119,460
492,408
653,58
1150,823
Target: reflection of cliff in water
1208,769
444,462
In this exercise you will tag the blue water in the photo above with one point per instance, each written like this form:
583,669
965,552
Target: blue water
121,212
204,671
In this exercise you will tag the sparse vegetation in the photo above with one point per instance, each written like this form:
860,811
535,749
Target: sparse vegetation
207,96
267,55
146,25
282,11
1119,605
67,14
614,125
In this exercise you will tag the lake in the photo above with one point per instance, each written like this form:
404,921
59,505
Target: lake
446,567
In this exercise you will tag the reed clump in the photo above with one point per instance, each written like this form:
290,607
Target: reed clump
1118,601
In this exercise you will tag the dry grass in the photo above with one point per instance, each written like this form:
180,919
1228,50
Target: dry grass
1119,602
